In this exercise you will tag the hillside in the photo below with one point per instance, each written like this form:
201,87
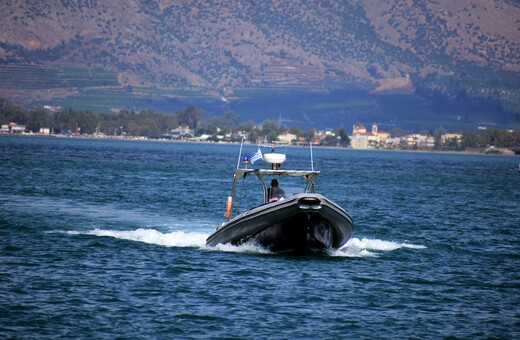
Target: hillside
454,57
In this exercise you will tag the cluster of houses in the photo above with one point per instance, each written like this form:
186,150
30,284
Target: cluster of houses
361,138
285,138
13,128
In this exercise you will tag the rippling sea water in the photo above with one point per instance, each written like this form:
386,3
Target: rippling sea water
105,239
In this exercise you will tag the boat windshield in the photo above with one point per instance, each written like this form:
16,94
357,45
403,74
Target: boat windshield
248,194
289,185
291,191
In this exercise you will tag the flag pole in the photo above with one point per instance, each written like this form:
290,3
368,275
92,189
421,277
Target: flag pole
312,161
240,154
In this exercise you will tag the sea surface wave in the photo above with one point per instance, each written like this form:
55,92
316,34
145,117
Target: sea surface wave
105,239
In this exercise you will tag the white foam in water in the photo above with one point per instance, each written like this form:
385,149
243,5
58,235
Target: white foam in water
244,248
353,248
152,236
173,239
368,247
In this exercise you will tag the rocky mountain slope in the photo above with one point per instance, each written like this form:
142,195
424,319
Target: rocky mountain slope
223,49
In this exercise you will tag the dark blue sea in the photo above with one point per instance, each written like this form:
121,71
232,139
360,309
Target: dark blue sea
106,239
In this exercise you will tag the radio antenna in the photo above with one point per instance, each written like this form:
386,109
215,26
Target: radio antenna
312,160
240,154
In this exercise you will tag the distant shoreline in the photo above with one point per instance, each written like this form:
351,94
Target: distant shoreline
481,151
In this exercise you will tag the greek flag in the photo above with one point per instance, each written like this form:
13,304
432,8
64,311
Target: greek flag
256,156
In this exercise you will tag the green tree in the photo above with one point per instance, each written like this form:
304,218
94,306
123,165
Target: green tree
190,116
87,121
39,118
297,131
66,120
10,113
344,138
469,140
231,118
271,130
330,140
309,135
452,144
254,135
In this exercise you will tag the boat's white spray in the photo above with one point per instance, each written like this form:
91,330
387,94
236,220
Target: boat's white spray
355,247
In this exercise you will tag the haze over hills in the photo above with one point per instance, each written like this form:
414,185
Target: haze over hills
415,64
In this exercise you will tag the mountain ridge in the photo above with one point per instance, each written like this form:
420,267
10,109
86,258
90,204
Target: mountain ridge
218,49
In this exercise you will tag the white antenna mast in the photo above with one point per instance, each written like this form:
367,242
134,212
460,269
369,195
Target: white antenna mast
312,161
240,154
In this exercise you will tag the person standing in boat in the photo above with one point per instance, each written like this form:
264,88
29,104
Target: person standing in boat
275,192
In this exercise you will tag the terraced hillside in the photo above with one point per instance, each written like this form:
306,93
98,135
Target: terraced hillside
164,53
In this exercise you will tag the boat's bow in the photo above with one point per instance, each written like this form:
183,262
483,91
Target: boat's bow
295,219
301,222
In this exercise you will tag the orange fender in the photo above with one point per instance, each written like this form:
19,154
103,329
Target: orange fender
229,206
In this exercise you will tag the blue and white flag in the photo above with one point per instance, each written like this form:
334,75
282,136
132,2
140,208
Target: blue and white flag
256,156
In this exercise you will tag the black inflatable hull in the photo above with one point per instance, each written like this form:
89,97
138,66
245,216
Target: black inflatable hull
305,222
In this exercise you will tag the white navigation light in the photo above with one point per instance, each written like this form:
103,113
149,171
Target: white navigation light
274,158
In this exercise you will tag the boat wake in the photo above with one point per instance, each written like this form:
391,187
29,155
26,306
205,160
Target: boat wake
152,236
365,247
355,247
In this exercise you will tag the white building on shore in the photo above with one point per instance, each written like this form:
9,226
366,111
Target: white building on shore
181,131
362,139
286,138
